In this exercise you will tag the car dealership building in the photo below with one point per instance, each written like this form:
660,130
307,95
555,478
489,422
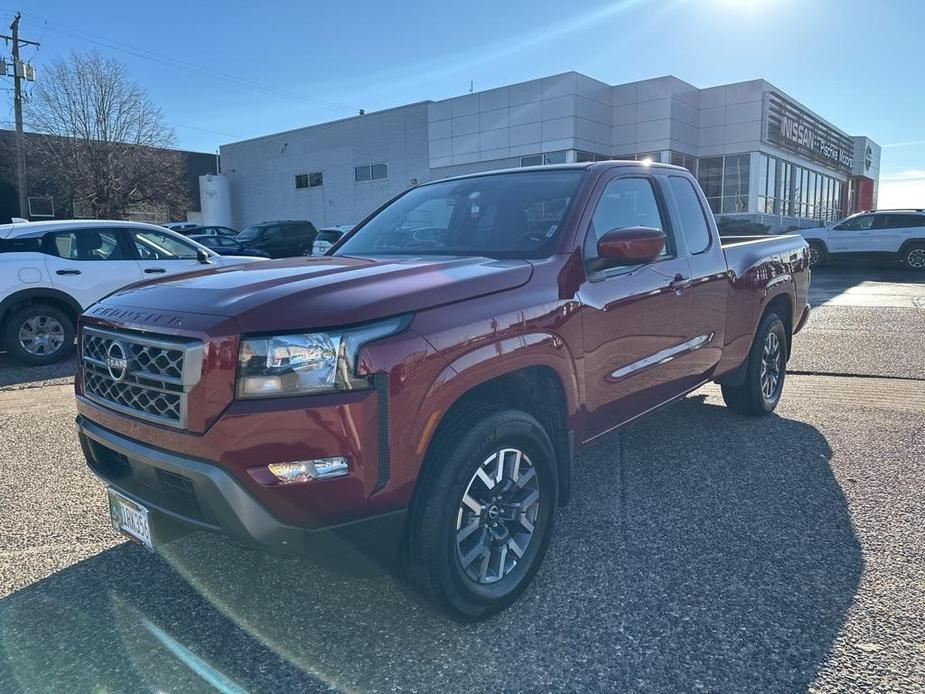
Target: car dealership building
758,153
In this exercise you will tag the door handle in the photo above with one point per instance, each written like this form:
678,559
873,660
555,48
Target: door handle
153,270
67,272
680,283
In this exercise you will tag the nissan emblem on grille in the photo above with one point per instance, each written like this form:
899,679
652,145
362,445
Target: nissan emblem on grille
116,363
147,376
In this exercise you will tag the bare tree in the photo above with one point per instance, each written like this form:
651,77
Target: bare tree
102,141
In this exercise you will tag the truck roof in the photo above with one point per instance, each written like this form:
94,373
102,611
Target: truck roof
606,164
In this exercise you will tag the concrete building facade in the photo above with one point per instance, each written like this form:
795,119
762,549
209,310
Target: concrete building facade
758,153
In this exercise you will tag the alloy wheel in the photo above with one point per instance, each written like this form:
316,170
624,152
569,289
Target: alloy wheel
497,516
771,366
41,335
916,258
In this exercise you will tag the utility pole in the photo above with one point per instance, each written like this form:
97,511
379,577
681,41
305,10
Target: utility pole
19,74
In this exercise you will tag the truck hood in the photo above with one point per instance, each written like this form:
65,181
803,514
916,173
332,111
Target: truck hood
325,291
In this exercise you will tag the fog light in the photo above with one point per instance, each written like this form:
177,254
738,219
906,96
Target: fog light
305,470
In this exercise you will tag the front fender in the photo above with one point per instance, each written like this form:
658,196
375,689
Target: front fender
496,358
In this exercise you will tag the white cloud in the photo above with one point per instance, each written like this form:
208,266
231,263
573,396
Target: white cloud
910,143
902,188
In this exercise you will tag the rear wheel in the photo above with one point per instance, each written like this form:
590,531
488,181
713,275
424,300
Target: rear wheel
760,392
817,254
482,520
39,334
914,257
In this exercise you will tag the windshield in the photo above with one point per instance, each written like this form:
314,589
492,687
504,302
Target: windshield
249,233
514,215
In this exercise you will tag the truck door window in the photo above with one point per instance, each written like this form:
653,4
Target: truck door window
625,202
693,221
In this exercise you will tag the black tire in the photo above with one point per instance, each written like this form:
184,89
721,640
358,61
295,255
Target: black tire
749,397
432,561
913,257
818,256
63,339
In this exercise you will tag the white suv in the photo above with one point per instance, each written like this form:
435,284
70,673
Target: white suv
898,234
51,271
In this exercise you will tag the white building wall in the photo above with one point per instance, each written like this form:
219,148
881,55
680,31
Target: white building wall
493,129
262,171
567,111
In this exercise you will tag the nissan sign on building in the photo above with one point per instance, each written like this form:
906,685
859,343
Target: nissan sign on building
788,126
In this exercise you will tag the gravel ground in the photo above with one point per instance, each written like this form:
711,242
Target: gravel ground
702,552
14,375
790,557
862,340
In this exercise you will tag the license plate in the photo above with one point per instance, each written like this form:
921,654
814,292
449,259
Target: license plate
130,518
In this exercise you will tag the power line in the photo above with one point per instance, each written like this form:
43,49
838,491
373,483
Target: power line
113,44
205,130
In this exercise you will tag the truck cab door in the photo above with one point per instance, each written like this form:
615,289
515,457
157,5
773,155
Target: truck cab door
709,291
636,320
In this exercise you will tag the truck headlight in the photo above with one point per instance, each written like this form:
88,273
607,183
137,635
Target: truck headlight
306,363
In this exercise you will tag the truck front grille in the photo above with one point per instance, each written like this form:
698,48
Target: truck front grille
146,377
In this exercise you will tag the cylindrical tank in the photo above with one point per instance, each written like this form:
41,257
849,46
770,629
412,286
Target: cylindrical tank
215,200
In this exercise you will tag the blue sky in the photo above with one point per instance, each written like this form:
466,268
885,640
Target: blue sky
224,71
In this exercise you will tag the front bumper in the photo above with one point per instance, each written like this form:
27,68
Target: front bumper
183,492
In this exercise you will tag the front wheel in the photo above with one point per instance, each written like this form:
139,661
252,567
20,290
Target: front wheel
760,392
481,522
914,258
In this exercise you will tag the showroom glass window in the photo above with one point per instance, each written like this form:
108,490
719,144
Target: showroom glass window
735,183
710,176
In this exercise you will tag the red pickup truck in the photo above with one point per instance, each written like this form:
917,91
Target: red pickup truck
418,394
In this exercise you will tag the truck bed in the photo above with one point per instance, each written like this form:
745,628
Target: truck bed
745,252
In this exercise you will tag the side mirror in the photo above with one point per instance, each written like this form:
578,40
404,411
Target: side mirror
202,257
629,246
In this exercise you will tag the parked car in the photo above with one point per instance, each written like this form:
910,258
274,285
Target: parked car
179,226
51,271
209,231
280,239
420,394
327,237
226,245
891,234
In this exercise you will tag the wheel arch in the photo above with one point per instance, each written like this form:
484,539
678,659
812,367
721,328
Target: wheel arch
780,303
542,388
910,244
47,295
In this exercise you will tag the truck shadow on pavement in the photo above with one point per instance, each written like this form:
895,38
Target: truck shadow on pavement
701,550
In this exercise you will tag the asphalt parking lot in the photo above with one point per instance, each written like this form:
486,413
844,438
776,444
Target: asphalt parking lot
702,552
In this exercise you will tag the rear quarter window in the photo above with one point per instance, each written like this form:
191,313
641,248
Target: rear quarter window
21,245
693,219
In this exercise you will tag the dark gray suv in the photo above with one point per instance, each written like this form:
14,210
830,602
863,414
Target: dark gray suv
280,239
